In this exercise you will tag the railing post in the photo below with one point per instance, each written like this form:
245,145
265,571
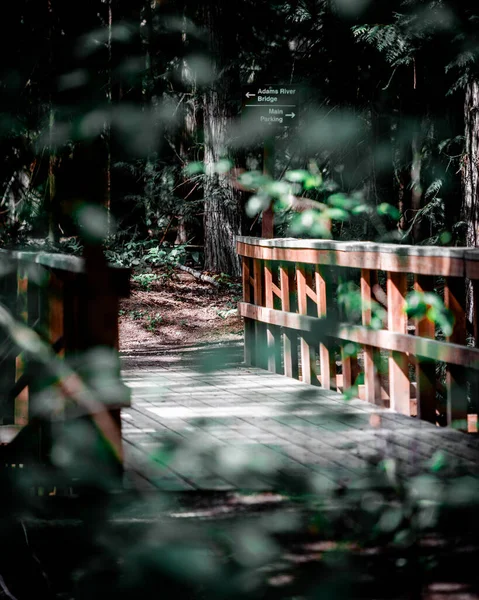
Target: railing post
8,294
455,301
249,326
372,382
327,369
399,386
349,361
425,369
261,348
473,424
272,331
303,278
290,338
21,405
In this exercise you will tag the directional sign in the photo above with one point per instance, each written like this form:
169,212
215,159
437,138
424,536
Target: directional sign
274,104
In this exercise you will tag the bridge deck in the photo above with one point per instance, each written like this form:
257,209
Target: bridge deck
224,415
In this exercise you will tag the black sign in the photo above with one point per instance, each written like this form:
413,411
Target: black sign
271,105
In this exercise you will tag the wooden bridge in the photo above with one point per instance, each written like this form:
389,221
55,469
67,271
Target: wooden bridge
324,321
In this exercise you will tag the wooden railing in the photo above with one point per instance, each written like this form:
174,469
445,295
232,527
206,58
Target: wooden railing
72,305
295,323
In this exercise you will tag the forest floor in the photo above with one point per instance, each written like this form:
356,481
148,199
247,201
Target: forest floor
175,308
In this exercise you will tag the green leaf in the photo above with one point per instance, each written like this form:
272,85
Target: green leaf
223,166
256,204
253,179
277,189
388,210
416,306
314,181
342,201
336,214
194,168
360,209
297,176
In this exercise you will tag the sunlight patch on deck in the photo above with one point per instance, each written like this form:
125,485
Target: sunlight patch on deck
246,410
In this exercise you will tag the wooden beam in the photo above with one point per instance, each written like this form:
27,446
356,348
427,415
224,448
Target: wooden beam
398,361
303,278
456,383
327,369
364,259
372,381
320,329
273,332
425,369
261,349
249,325
290,338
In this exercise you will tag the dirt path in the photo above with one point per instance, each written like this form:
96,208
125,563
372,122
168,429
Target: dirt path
176,310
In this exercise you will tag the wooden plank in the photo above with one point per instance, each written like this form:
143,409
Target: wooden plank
475,374
425,369
8,293
276,290
350,369
456,382
327,369
273,333
372,382
303,278
373,260
349,361
249,326
21,403
290,338
382,338
398,361
261,348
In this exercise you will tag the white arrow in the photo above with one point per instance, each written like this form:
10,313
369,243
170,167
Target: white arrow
292,115
248,95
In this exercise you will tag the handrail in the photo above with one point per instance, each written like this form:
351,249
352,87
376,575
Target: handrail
72,303
294,325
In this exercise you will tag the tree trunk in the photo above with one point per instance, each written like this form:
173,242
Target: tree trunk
222,212
187,143
470,164
470,178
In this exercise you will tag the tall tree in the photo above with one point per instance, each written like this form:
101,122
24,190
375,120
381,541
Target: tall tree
222,208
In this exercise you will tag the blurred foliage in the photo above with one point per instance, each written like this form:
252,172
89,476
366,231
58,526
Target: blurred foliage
102,121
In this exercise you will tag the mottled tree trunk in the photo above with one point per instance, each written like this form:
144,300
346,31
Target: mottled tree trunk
222,212
470,177
470,165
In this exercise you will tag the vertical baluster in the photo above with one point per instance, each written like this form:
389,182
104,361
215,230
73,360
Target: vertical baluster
55,314
455,301
249,327
290,337
273,332
399,386
326,358
8,294
22,400
371,355
261,349
306,349
349,361
473,419
425,369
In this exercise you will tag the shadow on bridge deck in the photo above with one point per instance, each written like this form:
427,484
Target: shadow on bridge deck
200,420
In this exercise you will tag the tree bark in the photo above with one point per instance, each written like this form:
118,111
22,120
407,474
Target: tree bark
470,163
222,211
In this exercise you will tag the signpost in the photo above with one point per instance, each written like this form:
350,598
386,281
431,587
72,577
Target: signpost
270,108
276,105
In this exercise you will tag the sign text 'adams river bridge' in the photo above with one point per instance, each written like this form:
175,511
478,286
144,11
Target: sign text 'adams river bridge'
274,104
